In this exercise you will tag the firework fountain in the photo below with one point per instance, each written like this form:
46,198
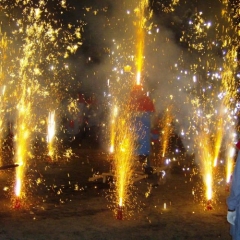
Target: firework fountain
123,130
206,164
214,106
123,162
24,116
229,84
32,80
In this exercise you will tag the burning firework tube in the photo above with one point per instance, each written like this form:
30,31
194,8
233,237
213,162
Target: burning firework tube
209,205
119,212
227,188
17,203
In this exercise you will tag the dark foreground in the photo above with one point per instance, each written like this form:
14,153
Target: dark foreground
62,204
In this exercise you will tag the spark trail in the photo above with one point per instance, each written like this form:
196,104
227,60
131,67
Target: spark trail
140,37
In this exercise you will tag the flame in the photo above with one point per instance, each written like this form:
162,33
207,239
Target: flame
18,186
138,78
120,202
208,184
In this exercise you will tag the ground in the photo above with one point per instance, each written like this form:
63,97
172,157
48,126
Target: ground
61,203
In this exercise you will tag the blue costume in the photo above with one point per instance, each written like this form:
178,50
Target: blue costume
143,126
233,202
141,107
